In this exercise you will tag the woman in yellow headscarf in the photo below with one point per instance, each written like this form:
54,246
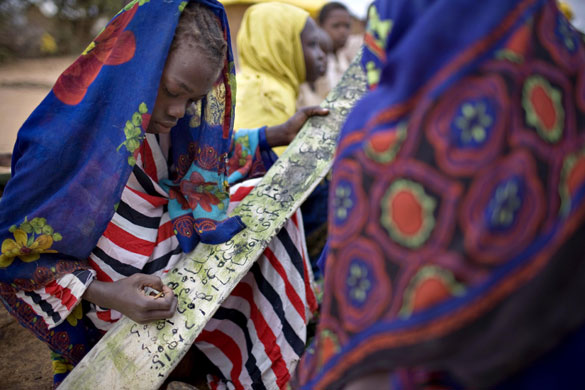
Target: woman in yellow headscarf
278,46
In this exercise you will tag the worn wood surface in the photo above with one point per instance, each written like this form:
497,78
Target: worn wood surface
132,356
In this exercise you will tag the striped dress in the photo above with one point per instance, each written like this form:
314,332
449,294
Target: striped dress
256,337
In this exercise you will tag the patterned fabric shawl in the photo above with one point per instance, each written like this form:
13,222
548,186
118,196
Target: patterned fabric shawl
456,220
75,153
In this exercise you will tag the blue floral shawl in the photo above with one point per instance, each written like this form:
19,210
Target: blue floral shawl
457,204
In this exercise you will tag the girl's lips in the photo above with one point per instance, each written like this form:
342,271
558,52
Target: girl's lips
165,126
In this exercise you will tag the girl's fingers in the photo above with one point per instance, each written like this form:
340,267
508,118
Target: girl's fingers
149,280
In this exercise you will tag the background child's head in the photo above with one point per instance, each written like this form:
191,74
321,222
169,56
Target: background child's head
325,41
315,59
335,19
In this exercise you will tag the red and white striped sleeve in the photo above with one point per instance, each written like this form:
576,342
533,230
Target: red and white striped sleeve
54,302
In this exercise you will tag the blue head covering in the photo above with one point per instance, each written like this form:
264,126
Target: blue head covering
74,155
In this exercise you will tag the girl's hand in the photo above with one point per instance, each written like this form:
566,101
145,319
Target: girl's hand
129,298
283,134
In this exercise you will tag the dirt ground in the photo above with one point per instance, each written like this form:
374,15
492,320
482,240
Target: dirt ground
23,85
24,360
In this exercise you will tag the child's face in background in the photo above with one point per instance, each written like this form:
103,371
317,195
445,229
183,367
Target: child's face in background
338,26
326,45
315,62
325,42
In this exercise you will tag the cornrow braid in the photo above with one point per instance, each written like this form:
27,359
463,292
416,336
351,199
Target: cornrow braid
199,27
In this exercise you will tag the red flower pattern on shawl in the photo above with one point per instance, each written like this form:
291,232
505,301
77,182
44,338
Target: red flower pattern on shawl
175,193
113,46
145,120
238,162
198,192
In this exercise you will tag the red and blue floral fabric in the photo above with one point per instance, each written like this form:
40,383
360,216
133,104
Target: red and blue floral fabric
456,211
74,154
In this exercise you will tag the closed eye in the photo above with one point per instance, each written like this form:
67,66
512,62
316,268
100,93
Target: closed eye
169,93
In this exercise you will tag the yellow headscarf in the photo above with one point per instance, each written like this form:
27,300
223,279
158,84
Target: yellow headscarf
566,9
272,65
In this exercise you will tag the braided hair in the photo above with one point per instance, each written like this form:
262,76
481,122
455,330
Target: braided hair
199,28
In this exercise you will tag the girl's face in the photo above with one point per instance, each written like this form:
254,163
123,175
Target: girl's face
338,26
187,77
314,56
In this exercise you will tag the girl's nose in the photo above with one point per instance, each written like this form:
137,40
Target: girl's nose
177,109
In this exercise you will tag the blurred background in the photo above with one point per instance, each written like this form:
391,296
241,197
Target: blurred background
578,7
40,38
32,28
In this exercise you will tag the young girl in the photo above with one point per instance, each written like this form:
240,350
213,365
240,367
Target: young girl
124,168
